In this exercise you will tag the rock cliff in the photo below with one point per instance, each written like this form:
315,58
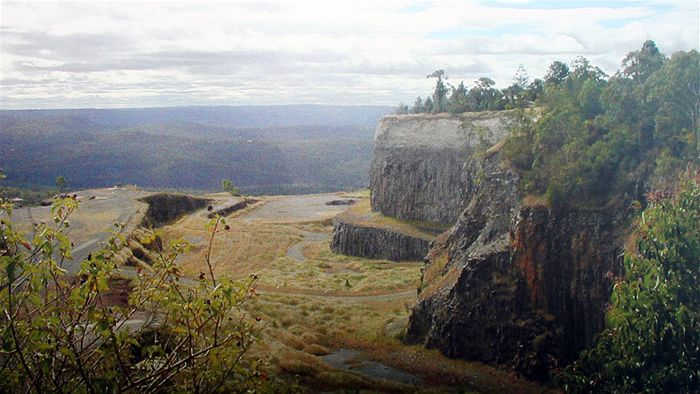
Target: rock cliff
516,284
376,243
512,283
166,207
418,159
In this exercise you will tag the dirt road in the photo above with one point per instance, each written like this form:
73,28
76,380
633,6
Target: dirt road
291,209
94,220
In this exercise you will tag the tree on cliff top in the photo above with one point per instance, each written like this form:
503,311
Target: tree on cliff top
639,65
440,93
653,331
61,183
228,187
596,135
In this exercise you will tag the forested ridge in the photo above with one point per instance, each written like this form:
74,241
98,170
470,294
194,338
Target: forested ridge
321,148
625,146
584,136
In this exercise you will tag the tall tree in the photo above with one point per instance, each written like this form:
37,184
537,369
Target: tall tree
440,92
228,187
402,109
61,183
418,106
677,87
556,73
483,96
521,79
639,65
428,105
458,99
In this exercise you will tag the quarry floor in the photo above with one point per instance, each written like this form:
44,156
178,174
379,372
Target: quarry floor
328,321
94,221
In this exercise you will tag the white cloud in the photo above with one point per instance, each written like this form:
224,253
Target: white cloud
128,53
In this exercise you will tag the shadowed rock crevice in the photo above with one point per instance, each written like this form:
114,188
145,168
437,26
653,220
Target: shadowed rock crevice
164,208
522,286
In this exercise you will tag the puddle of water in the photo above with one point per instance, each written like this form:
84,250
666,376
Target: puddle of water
353,360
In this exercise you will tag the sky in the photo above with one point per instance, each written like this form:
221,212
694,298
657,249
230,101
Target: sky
109,54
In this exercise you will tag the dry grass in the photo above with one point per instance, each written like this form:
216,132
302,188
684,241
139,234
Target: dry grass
261,248
327,273
245,248
308,308
532,200
361,214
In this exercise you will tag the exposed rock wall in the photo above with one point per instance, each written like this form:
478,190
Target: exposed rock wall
370,242
522,286
416,172
166,207
510,283
231,208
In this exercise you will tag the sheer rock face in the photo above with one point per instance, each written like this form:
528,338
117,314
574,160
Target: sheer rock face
416,172
376,243
510,284
523,286
163,208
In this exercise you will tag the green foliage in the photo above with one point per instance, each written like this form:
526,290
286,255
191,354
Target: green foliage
60,183
653,331
557,73
640,65
483,96
428,105
227,186
596,135
402,109
439,100
418,106
457,102
60,333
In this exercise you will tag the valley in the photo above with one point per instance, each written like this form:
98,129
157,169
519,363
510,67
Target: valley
326,321
282,197
262,149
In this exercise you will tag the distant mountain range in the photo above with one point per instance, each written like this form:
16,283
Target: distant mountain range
263,149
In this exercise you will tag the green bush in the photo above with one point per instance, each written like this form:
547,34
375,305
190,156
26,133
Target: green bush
61,333
593,133
652,336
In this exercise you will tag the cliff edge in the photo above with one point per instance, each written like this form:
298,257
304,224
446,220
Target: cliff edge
512,282
418,159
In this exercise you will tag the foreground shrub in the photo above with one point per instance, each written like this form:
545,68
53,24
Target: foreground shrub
61,333
652,340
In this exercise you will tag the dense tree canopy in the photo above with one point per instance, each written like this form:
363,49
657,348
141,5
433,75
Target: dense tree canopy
595,135
653,333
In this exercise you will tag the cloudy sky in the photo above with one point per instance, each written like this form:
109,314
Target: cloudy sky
159,53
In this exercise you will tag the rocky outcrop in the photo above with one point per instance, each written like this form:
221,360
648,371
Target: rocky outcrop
378,243
514,284
163,208
416,172
228,209
140,248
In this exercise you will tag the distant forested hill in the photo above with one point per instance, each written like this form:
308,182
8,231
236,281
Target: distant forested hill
271,149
